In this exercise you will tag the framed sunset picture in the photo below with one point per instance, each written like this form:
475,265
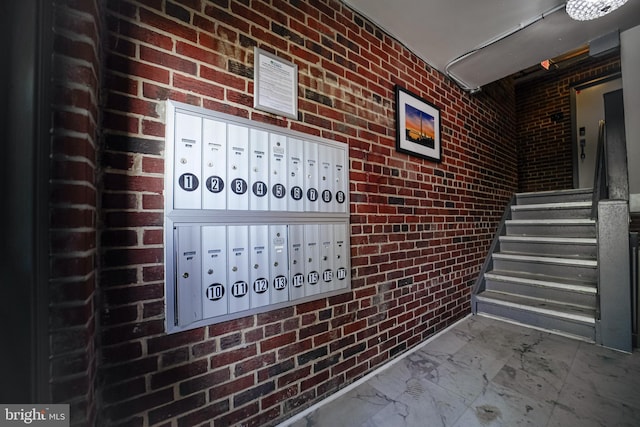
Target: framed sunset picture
417,126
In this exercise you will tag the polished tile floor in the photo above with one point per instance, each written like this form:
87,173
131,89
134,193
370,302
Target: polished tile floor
485,372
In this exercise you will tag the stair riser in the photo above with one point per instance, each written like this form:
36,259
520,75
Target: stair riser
530,199
546,230
551,213
536,319
555,270
549,249
529,290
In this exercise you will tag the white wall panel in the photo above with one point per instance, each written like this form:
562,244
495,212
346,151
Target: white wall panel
214,164
214,271
187,165
238,167
258,170
188,277
296,178
278,263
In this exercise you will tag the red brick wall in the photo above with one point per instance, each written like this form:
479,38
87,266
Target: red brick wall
75,85
545,159
420,230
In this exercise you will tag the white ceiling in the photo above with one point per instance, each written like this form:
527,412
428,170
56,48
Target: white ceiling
477,42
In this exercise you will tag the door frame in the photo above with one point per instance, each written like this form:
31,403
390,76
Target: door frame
573,89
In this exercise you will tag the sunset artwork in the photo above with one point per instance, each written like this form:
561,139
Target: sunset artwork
419,127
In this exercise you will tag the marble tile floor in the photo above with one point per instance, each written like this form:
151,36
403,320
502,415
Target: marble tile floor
486,372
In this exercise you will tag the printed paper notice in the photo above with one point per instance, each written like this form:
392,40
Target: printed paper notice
275,85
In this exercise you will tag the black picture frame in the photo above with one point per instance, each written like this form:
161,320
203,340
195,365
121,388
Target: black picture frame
417,126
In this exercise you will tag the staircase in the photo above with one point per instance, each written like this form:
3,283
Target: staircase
543,268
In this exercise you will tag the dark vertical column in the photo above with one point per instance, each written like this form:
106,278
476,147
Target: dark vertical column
24,127
617,173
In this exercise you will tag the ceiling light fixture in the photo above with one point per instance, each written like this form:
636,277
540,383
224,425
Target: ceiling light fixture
586,10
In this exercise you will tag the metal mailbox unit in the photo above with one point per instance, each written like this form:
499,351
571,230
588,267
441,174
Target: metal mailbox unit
256,217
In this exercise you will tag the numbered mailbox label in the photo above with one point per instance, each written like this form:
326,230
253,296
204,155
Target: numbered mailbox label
259,189
313,278
260,285
280,283
341,273
297,280
279,191
327,196
188,182
239,186
215,184
239,289
340,197
327,276
312,195
297,193
215,292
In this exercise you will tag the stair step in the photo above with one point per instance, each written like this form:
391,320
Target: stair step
587,263
541,313
551,227
572,195
565,290
583,269
568,284
558,210
576,247
578,314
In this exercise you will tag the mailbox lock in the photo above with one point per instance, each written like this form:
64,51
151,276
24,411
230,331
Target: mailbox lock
183,161
210,271
275,264
234,269
185,275
324,258
210,164
256,266
295,261
310,259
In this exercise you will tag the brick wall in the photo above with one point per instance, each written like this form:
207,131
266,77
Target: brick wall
75,85
420,230
545,159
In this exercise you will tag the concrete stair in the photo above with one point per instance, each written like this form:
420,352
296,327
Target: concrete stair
543,271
